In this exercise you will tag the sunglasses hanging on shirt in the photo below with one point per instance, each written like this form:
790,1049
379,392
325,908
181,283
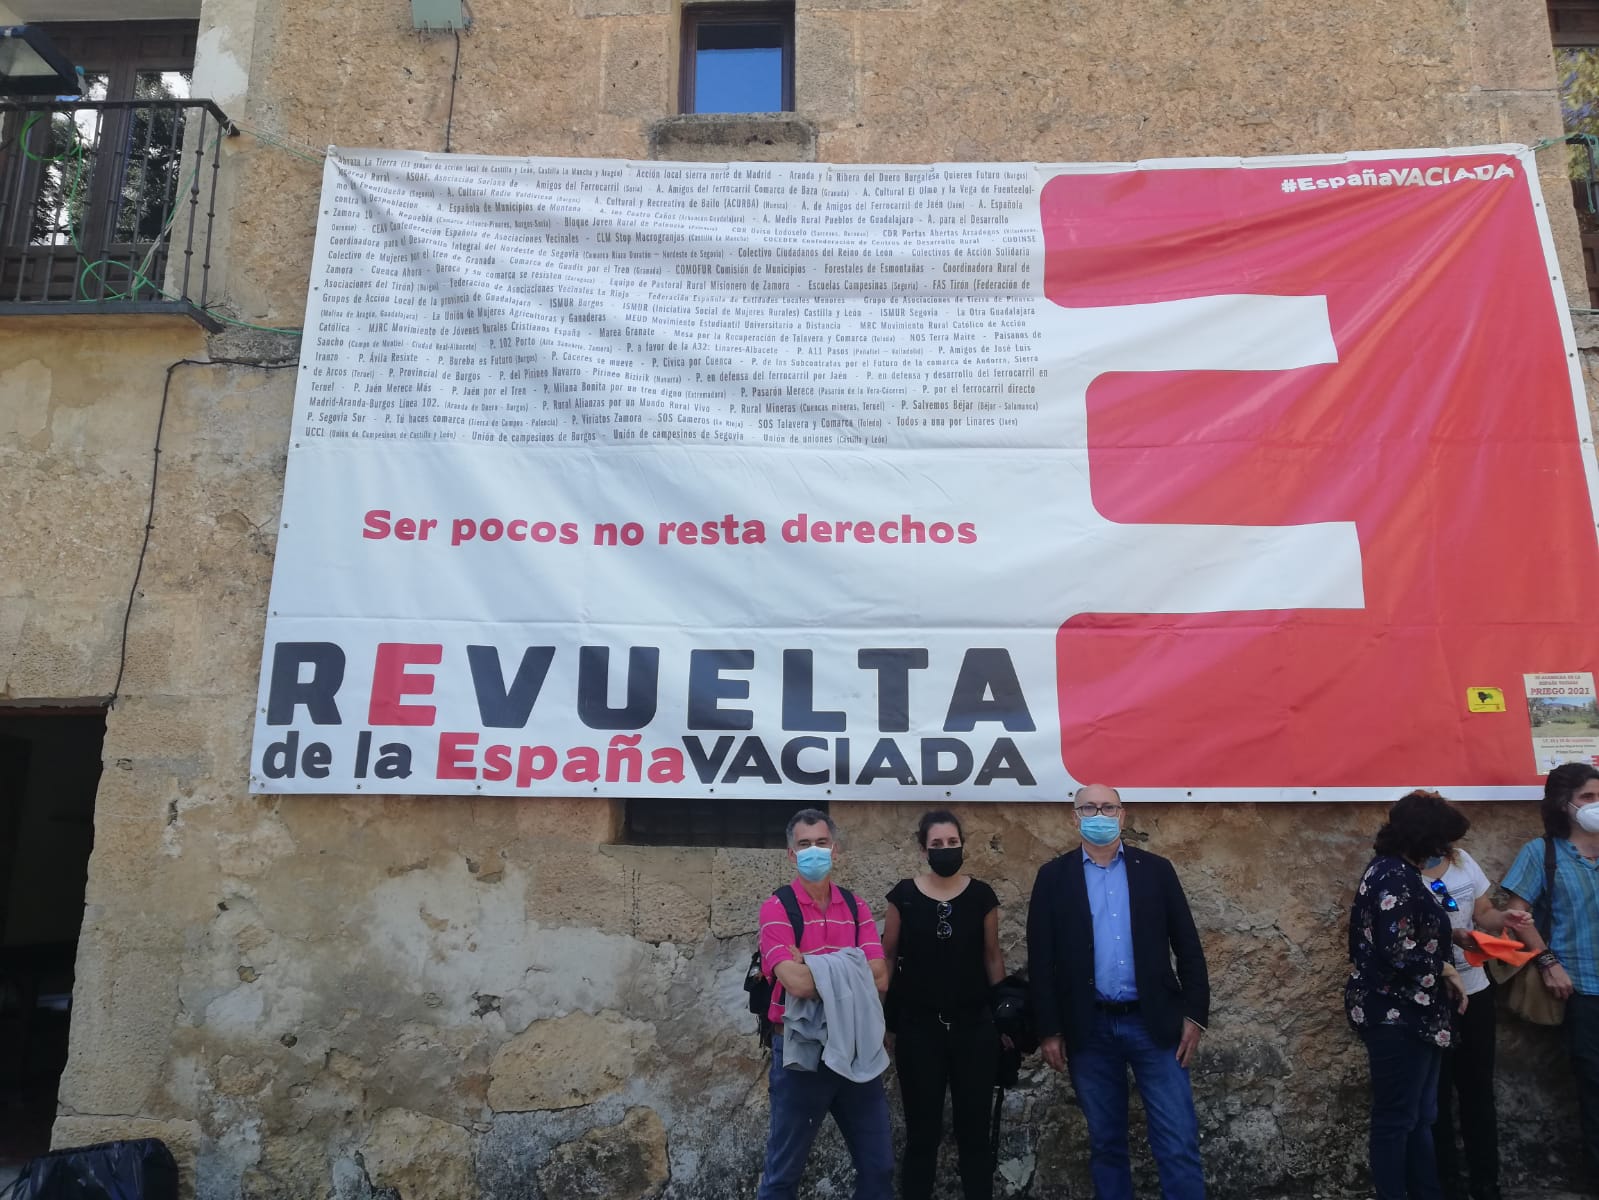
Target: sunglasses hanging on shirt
1443,896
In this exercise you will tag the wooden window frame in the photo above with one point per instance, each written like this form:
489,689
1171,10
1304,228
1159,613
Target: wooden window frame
133,46
121,51
697,15
1567,26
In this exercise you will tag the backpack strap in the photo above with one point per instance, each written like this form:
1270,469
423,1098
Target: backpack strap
790,902
1546,902
854,912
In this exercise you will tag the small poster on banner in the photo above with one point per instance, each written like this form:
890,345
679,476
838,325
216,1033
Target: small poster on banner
1565,718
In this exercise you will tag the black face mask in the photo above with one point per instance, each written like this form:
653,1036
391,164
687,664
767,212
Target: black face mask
945,860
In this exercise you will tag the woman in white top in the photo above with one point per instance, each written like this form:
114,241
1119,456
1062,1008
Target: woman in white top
1468,1065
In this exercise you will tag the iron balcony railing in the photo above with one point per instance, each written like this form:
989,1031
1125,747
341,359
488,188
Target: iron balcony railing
108,203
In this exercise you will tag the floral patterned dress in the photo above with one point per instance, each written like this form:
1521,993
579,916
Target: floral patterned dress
1398,943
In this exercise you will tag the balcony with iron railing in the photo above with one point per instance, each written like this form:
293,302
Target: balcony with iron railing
109,205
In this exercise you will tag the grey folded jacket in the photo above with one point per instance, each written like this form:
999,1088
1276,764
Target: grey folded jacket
842,1026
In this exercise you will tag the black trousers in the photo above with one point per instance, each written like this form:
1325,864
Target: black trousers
1468,1071
931,1059
1582,1034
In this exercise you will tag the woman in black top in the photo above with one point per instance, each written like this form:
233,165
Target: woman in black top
941,938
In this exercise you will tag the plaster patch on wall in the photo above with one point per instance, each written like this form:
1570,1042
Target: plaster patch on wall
222,52
237,1012
449,933
250,853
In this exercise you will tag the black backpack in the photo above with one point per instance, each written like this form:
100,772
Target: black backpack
759,988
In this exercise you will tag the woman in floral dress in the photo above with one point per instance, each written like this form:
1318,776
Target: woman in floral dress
1403,988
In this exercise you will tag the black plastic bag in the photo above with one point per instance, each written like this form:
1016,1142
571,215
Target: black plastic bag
141,1169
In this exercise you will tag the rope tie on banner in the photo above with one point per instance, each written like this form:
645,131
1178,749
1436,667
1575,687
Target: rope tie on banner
298,150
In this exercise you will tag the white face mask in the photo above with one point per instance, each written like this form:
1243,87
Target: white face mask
1587,817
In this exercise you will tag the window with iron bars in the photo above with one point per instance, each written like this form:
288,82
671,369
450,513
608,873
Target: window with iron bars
96,190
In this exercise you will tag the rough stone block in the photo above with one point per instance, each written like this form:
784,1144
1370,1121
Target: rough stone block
671,889
741,137
575,885
578,820
67,649
636,73
1509,45
825,66
1493,117
806,6
626,1161
418,1155
124,1004
159,727
567,1061
619,8
743,879
289,1168
25,402
236,414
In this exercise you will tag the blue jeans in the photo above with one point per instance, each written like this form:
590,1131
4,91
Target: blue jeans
1404,1104
1099,1076
800,1099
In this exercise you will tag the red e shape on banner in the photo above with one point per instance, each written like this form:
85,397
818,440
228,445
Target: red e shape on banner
1447,430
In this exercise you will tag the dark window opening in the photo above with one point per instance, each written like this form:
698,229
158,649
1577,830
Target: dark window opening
738,58
1574,26
49,770
759,824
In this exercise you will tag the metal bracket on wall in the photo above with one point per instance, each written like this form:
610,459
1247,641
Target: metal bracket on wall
437,16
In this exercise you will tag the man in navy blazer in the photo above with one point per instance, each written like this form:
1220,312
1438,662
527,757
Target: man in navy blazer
1104,925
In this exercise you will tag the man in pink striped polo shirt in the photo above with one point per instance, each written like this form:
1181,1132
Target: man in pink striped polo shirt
800,1099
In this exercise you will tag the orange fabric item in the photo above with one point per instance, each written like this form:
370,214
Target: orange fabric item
1504,949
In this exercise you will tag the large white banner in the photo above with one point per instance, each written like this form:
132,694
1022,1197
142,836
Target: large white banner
676,479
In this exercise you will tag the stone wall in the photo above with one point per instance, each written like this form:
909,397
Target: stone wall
457,997
877,81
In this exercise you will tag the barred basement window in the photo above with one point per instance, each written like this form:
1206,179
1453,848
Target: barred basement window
759,824
737,58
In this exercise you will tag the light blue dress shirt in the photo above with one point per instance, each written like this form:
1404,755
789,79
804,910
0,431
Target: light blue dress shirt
1113,927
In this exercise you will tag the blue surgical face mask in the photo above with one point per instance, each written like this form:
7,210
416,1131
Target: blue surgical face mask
1101,831
1435,861
814,863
